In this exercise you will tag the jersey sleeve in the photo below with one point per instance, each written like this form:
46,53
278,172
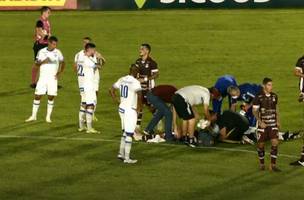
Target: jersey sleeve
60,56
137,86
154,67
41,56
116,85
206,98
256,102
76,58
39,24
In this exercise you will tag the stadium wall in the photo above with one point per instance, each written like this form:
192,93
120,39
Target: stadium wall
176,4
36,4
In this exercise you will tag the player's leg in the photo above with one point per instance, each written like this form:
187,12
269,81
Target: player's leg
82,112
130,119
90,99
96,87
50,106
261,154
52,92
140,113
35,108
191,129
94,115
274,138
121,153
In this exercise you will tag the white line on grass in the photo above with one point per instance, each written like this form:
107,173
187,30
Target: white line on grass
34,137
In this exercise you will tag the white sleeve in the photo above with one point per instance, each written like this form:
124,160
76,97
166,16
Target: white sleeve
137,86
116,85
76,58
206,98
41,56
60,56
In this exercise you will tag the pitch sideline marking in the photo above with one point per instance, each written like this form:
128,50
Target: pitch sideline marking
109,140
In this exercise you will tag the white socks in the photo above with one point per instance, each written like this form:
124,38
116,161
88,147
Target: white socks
122,146
128,145
36,104
82,116
50,106
89,117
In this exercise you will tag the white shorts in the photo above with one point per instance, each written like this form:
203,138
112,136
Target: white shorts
96,80
46,86
88,97
128,119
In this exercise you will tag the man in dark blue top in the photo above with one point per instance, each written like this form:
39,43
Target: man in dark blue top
246,93
222,84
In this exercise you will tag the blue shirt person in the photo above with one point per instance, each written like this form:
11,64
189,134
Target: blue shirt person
222,84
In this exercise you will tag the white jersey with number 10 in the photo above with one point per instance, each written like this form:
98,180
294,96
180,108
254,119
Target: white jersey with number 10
128,87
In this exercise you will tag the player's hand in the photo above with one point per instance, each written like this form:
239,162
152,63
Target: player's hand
47,60
141,80
262,124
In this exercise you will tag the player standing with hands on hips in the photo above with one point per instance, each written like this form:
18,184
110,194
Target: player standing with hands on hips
265,110
51,63
130,104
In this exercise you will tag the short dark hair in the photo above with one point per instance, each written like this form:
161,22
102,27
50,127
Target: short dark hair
89,46
53,39
147,46
44,9
266,80
87,38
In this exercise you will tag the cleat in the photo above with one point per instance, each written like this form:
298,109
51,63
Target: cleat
130,161
297,163
301,97
48,120
31,119
82,129
157,139
93,131
274,169
120,157
262,167
191,143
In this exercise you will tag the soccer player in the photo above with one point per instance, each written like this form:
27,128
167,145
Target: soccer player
86,65
246,93
129,105
42,33
222,85
183,101
99,59
265,110
159,96
148,72
299,72
51,63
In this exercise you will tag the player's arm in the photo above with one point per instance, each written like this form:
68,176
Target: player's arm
298,72
75,67
60,69
154,71
139,101
112,92
39,29
233,107
206,112
100,59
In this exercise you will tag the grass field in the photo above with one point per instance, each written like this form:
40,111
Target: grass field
42,161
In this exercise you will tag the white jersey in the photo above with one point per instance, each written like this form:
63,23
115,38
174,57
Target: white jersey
128,87
195,95
49,69
79,61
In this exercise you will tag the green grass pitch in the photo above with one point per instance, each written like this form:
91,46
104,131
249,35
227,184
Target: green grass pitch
192,47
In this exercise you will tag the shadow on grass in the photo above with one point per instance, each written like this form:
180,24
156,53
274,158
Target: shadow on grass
17,92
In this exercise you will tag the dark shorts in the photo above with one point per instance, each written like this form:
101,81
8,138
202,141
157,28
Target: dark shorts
37,47
269,133
183,109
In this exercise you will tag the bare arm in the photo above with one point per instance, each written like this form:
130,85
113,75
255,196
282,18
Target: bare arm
297,72
75,67
206,112
154,75
139,101
233,107
113,95
60,69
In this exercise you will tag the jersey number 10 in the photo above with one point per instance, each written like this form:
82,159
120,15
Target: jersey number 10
124,91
